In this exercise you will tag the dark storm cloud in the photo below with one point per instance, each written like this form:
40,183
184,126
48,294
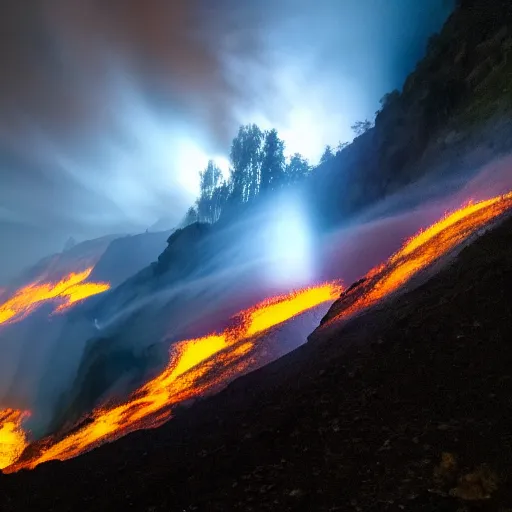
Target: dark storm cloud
107,107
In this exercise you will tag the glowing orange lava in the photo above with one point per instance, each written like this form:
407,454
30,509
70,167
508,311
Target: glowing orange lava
195,367
67,292
279,309
421,251
13,439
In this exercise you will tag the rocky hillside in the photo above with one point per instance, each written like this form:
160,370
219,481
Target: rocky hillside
451,116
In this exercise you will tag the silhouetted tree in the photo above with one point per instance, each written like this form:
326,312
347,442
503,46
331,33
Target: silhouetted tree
272,162
297,168
210,180
361,127
327,155
190,217
245,158
220,198
341,146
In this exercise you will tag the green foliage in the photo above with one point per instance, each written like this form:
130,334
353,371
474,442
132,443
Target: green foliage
492,96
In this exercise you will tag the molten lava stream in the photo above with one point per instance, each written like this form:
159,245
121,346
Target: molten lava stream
67,292
13,439
195,367
422,250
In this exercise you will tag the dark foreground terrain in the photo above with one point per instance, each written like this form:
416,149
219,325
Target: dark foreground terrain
408,407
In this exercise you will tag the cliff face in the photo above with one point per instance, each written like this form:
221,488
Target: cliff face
457,100
136,322
127,255
184,251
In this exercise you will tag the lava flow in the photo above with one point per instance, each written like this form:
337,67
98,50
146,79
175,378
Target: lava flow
419,253
66,292
205,364
195,367
13,439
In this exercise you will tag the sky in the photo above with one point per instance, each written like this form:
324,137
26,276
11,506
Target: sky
110,108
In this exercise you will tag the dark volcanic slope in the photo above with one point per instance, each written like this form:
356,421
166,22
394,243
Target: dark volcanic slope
357,422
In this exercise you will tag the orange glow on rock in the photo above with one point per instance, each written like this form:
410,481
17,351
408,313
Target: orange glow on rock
279,309
13,439
195,367
68,291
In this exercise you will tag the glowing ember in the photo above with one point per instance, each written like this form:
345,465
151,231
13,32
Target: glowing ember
13,439
195,367
68,291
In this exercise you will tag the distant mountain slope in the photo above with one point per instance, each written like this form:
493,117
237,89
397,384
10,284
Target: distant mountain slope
79,257
126,255
115,258
55,342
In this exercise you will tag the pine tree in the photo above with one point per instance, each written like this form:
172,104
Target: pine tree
273,162
210,179
245,158
190,217
297,169
219,199
327,155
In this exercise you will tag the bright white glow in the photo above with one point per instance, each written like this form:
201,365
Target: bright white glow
307,115
304,134
223,164
189,160
288,245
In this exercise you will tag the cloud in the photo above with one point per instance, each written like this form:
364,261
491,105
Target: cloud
110,108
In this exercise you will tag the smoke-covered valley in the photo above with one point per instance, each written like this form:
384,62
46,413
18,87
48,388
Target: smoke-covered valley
61,365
